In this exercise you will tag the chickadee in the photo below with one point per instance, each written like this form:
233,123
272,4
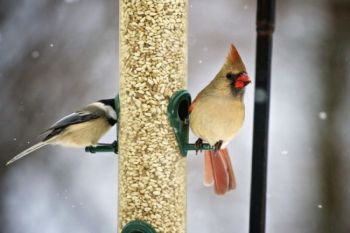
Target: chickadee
79,129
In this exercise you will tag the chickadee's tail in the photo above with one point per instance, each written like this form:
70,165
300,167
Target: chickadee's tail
28,151
218,171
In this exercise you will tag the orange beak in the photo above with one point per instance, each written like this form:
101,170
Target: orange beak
242,81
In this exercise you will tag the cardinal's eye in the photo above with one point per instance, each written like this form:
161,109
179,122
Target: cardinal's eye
231,76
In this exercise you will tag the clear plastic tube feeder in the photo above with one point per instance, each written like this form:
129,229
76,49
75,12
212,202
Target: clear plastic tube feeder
153,66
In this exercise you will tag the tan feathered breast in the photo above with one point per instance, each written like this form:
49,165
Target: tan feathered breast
83,134
216,117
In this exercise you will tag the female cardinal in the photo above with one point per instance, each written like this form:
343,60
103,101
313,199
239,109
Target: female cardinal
216,115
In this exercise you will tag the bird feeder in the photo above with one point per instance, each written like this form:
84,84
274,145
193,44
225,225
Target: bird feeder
153,66
153,117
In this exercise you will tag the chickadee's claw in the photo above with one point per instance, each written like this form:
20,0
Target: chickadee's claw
115,146
199,144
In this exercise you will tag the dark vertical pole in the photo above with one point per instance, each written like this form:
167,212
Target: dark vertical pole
265,27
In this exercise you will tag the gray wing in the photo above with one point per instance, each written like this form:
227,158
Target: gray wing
74,118
81,116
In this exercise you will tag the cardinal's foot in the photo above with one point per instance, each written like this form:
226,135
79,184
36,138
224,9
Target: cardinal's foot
199,144
218,145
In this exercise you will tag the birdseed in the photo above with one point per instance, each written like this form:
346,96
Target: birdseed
153,65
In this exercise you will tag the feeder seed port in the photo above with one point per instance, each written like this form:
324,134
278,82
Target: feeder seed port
178,115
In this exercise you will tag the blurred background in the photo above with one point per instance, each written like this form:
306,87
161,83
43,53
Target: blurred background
58,55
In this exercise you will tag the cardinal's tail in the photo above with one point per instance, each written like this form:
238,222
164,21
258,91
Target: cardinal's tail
218,171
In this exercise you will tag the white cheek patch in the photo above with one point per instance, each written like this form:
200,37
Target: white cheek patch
108,109
110,112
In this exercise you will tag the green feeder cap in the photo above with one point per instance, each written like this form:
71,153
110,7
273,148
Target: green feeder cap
138,226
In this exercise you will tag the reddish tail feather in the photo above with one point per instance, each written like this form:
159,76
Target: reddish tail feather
218,171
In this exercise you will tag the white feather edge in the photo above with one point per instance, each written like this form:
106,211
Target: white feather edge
28,151
206,184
